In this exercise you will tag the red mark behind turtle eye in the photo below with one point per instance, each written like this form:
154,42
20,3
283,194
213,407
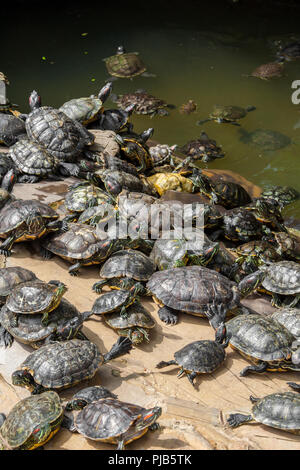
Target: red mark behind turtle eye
148,416
36,430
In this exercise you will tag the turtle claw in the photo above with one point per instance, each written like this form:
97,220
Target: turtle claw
5,253
168,316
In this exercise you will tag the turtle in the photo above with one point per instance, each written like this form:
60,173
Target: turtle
32,297
134,148
268,212
125,64
65,322
114,421
287,245
240,225
188,108
278,410
203,149
144,103
32,422
115,181
196,290
86,396
123,268
22,220
162,154
256,253
278,279
163,182
114,120
63,364
227,114
288,52
11,277
225,193
198,357
263,341
79,245
289,318
134,325
284,195
114,301
266,139
12,129
116,164
87,109
268,71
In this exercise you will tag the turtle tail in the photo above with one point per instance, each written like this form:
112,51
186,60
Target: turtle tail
121,347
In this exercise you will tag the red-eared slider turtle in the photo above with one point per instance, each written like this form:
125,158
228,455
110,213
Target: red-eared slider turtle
114,421
227,114
134,325
11,277
116,164
204,149
195,290
278,410
25,220
135,149
116,181
143,102
240,225
12,129
80,246
188,108
278,279
88,395
162,154
289,318
267,212
198,357
256,253
63,364
114,120
264,342
125,64
124,268
65,322
114,301
32,422
268,71
287,245
284,195
266,139
33,297
87,109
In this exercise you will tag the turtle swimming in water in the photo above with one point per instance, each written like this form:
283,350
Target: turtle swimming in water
143,102
268,71
125,64
227,114
266,139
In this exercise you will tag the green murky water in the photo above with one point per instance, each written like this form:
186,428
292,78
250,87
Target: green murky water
204,61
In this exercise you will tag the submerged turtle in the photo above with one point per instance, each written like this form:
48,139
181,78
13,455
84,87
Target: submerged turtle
125,64
227,114
278,410
268,71
32,422
12,129
188,108
143,103
204,149
113,421
63,364
199,357
266,139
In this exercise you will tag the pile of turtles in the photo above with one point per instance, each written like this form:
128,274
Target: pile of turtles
114,216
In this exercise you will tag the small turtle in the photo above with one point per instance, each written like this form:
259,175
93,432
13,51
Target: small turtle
162,154
88,109
278,410
267,212
284,195
33,297
115,120
88,395
289,318
125,64
204,149
265,139
113,421
256,253
188,108
135,149
240,225
114,301
287,245
288,52
227,114
115,181
143,102
63,364
268,71
32,422
11,277
12,129
124,268
134,325
263,341
25,220
198,357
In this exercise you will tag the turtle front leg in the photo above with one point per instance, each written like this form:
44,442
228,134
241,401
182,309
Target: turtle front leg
74,269
168,315
6,246
258,368
97,287
6,339
45,254
237,419
294,386
163,364
37,389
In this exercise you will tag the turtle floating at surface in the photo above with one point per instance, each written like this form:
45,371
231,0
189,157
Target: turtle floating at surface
126,64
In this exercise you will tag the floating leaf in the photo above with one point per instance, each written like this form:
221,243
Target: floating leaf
93,79
84,34
44,58
85,52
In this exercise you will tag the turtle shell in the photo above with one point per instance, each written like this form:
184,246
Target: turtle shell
284,195
267,71
282,278
204,149
143,101
11,128
200,356
126,65
279,410
30,414
34,297
228,113
83,196
289,318
260,249
193,289
128,263
11,277
107,418
30,328
112,301
136,315
54,130
266,139
32,159
116,164
259,337
91,394
170,253
164,182
63,364
116,181
83,110
241,225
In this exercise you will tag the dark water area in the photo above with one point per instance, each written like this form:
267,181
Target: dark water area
198,50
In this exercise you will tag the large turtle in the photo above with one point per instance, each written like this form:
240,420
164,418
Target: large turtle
114,421
32,422
266,139
125,64
63,364
198,357
278,410
227,114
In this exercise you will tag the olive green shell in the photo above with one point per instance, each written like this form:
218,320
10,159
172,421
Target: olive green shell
126,65
266,139
168,254
62,364
279,410
28,415
259,337
284,195
289,318
200,356
11,277
143,101
204,149
112,301
136,315
30,328
288,245
228,113
86,195
32,159
282,278
260,249
83,110
128,263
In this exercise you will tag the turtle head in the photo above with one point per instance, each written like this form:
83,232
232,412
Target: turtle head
144,136
148,418
251,282
200,181
35,100
121,50
76,404
8,180
35,222
22,378
105,92
69,330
